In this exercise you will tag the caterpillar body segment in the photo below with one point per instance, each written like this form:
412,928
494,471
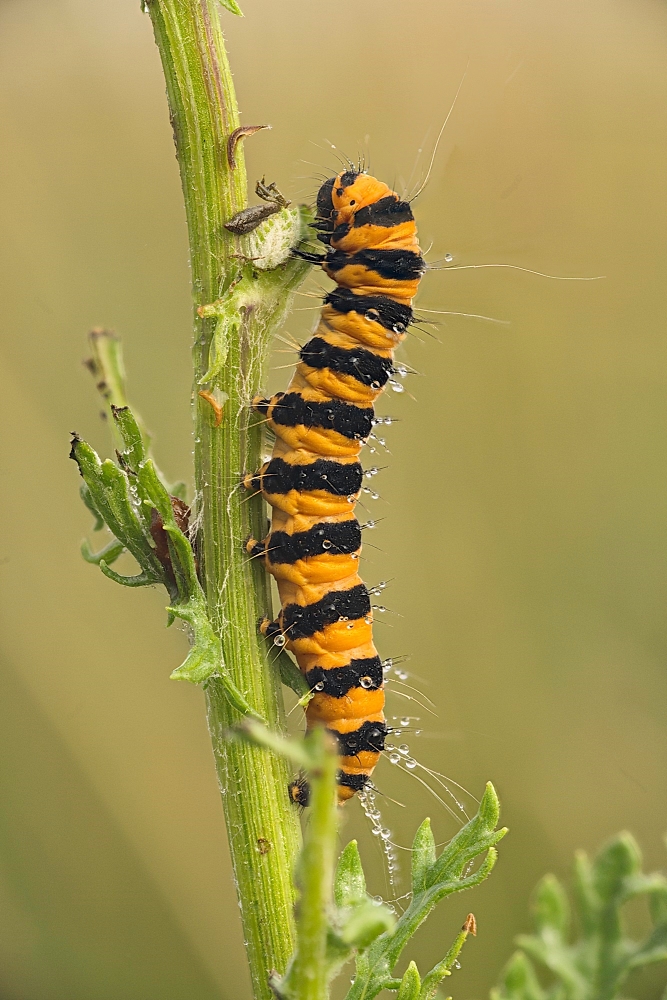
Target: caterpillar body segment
314,477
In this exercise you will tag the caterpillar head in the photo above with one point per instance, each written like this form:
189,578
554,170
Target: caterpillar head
352,191
341,197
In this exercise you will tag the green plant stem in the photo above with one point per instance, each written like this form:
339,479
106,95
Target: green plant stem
262,825
309,978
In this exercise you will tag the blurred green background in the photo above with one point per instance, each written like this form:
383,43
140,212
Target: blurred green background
525,499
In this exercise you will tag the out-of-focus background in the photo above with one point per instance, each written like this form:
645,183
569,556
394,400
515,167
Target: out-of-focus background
524,500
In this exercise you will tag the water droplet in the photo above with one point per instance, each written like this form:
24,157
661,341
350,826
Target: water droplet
351,625
279,640
352,498
449,257
379,607
370,525
385,833
326,544
366,682
394,758
410,763
405,721
396,386
319,686
404,748
369,621
457,964
402,675
344,618
389,746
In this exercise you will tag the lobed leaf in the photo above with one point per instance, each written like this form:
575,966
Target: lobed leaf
518,981
365,923
433,879
595,966
423,855
476,836
134,452
551,907
410,987
349,880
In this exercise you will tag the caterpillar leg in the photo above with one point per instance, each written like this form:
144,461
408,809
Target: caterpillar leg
253,480
255,549
260,404
273,630
299,791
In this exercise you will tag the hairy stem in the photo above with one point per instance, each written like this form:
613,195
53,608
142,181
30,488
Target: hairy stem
261,824
309,977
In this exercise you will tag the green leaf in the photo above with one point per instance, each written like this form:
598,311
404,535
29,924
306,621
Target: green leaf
134,452
658,905
365,923
155,494
518,981
550,906
597,965
110,492
232,7
442,969
84,493
616,861
108,554
438,879
291,676
410,987
423,856
205,657
295,751
477,835
141,580
349,880
588,901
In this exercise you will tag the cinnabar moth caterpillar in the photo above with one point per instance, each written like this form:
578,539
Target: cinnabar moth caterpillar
314,477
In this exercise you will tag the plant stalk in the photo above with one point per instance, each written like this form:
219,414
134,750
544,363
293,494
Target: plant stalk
309,976
262,824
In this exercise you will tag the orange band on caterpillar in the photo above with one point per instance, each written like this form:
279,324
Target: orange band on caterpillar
314,477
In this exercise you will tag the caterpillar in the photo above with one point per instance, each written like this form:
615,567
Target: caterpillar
313,479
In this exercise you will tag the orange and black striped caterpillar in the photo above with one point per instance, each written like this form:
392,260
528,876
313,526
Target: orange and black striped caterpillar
314,477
